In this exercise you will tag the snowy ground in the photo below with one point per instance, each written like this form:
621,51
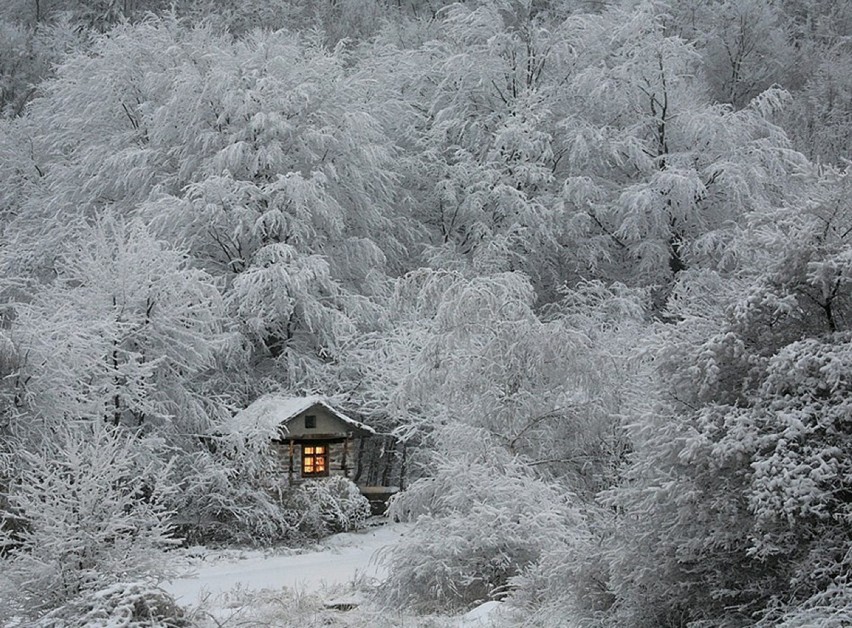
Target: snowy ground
342,559
326,586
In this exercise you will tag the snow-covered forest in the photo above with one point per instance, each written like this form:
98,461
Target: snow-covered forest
586,264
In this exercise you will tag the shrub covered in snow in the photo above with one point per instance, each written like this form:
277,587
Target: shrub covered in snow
121,605
228,500
478,523
230,490
831,608
232,502
570,579
92,512
326,506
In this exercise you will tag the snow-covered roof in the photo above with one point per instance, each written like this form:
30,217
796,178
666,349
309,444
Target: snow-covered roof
270,411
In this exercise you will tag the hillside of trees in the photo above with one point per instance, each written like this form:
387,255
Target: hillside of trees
591,261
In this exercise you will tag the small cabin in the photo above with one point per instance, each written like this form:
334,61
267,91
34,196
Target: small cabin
313,439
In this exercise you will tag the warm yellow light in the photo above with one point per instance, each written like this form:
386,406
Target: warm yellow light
314,459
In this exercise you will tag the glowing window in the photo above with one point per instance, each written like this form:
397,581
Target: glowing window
314,459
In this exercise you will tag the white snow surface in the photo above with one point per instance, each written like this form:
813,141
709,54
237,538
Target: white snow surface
483,615
263,588
339,560
270,411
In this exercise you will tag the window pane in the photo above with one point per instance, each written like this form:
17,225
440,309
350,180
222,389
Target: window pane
315,459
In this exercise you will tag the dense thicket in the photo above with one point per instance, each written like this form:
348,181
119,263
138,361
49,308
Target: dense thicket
590,260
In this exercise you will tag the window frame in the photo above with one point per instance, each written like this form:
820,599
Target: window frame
315,456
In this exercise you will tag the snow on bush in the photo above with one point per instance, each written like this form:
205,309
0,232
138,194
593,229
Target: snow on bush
230,491
235,502
93,515
735,506
327,506
230,496
571,578
831,608
121,605
480,521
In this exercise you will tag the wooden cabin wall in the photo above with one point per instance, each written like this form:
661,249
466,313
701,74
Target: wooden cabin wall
281,452
335,459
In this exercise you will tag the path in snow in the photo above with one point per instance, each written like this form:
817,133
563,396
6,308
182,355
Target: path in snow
342,558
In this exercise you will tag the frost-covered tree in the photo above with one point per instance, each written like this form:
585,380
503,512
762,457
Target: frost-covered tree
79,150
91,513
470,360
474,352
820,117
745,46
87,14
230,491
27,54
292,193
655,173
481,149
125,333
479,521
454,216
266,158
734,504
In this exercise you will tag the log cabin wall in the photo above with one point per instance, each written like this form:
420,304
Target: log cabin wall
340,459
343,458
